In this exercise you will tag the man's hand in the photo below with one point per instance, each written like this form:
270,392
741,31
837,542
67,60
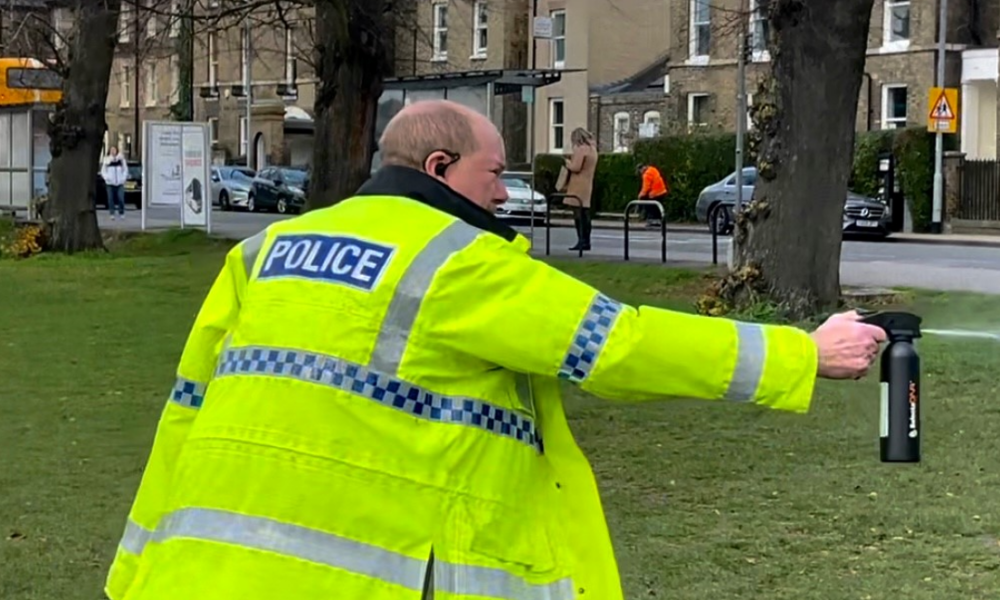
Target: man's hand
847,348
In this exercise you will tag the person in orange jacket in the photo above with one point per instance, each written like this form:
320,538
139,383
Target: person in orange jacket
653,188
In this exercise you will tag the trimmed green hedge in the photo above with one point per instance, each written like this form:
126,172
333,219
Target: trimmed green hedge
690,163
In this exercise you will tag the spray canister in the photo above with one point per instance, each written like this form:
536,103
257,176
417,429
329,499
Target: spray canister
899,427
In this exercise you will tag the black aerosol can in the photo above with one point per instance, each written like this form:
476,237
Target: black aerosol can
899,427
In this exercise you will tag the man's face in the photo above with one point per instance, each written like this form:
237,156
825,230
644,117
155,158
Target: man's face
477,176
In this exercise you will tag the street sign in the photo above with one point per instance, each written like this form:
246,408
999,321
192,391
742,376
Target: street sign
543,28
943,114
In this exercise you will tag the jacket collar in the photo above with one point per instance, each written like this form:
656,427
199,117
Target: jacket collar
394,180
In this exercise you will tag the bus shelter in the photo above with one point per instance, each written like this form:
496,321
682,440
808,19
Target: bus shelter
28,95
483,91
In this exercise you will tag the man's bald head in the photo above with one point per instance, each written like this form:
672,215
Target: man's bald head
451,143
428,126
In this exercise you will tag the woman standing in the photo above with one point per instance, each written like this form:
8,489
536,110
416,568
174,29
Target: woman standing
581,164
115,172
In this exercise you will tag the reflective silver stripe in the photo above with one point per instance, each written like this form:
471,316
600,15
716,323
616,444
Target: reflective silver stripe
188,392
494,583
589,339
338,552
251,249
750,357
410,292
387,390
135,537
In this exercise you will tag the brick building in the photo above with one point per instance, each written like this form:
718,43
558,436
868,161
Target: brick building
899,69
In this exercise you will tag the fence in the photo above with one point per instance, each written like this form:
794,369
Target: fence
980,197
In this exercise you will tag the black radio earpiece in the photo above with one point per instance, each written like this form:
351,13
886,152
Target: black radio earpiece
441,168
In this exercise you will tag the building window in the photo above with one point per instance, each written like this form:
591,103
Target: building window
126,85
125,23
701,28
760,30
480,29
213,59
213,129
650,127
558,39
896,19
244,57
557,125
175,80
243,136
894,106
749,112
175,18
440,39
291,63
152,88
622,125
697,109
151,25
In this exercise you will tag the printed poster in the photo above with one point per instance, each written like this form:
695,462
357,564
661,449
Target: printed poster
194,177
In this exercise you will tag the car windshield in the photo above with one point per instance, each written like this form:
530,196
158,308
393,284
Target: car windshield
513,182
293,177
245,175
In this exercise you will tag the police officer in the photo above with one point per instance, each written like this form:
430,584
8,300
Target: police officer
368,406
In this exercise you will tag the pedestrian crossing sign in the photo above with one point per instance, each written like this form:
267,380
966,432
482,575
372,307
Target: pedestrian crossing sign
943,114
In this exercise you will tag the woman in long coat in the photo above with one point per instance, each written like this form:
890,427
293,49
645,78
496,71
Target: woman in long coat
581,165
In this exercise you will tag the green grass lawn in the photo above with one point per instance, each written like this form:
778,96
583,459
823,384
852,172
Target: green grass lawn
705,501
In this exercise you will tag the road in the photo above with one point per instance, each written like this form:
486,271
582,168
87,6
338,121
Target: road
933,266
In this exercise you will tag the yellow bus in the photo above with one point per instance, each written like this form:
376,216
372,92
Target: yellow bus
27,81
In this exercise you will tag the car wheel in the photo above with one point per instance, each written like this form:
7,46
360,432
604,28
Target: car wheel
251,206
720,220
282,206
224,201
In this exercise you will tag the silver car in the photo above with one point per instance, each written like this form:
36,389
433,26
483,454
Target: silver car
862,215
230,186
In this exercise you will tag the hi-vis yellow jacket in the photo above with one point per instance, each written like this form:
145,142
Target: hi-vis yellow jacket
368,408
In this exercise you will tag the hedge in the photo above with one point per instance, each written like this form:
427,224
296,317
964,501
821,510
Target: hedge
690,163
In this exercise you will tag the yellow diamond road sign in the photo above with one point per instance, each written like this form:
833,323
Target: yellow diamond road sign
943,114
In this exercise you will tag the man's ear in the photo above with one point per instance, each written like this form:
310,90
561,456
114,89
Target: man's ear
436,164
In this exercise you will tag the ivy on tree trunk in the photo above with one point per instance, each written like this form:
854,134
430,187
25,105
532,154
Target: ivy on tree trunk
77,127
788,240
353,44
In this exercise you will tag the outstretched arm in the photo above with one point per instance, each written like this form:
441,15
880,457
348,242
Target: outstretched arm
529,317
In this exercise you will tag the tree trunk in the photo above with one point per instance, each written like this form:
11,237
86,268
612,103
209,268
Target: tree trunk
77,129
353,42
788,240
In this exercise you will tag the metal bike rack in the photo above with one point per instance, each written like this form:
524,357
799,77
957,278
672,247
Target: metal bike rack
548,220
663,225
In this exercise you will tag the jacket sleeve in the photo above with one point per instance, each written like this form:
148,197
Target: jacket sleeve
647,184
575,164
206,340
529,317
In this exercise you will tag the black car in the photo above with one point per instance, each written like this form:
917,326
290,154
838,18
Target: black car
281,189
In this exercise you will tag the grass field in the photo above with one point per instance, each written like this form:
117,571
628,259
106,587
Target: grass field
705,501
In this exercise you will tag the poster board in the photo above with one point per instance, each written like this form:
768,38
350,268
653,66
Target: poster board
176,171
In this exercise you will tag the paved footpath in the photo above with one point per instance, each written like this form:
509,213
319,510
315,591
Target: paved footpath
945,262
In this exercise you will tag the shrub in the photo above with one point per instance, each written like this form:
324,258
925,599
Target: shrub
20,241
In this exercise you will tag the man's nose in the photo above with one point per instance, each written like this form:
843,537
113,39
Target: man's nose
502,193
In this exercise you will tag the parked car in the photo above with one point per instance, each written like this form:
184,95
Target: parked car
282,189
862,215
231,186
520,201
133,187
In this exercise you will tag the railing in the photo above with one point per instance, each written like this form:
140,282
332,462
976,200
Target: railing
663,225
980,196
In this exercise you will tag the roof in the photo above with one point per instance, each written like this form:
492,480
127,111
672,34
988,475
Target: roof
505,81
648,78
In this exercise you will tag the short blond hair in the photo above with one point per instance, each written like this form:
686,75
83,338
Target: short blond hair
425,127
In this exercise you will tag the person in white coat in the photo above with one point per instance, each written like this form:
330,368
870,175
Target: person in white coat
114,170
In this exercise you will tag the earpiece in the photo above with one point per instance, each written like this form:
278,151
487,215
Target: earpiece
440,168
